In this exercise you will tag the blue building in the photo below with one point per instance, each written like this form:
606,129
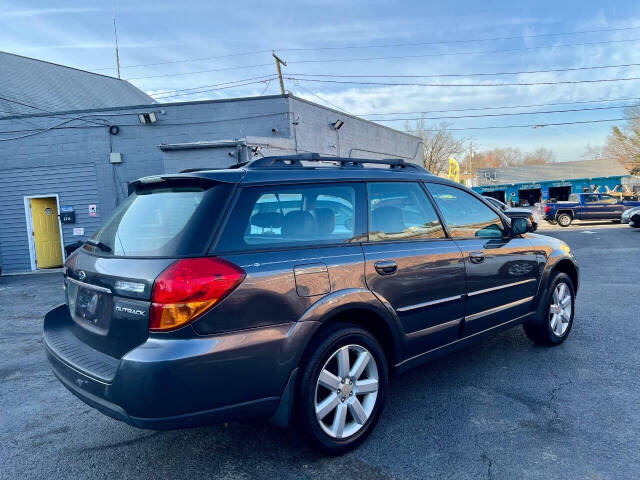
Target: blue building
530,184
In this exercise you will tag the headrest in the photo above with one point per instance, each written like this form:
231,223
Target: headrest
387,220
298,224
325,219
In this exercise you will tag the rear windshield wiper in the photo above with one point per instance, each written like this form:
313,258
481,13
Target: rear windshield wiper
99,245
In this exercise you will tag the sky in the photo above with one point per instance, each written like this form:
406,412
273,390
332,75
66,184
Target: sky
360,51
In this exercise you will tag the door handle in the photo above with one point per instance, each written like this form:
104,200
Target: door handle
476,257
386,267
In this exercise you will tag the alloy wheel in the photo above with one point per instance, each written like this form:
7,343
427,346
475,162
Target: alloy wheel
560,309
346,391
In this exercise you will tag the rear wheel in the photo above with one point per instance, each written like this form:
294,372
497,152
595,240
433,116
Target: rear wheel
553,323
342,389
564,219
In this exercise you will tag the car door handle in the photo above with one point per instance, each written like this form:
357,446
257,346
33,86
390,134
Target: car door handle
476,257
386,267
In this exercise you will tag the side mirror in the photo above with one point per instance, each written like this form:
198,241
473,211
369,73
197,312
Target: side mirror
520,226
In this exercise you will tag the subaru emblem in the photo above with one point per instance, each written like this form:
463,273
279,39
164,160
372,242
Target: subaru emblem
81,275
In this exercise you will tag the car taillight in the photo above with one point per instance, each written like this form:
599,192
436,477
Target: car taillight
547,209
188,288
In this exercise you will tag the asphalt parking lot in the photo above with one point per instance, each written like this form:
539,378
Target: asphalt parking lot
502,409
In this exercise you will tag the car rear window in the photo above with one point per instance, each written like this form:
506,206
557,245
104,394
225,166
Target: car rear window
295,215
163,221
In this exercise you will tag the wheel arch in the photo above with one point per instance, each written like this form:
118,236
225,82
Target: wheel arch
566,266
568,211
361,308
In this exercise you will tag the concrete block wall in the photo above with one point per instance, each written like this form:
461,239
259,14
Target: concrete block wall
73,161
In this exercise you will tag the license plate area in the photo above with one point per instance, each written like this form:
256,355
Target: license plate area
90,306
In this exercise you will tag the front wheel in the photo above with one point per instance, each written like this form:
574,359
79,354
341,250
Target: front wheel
564,219
554,321
342,389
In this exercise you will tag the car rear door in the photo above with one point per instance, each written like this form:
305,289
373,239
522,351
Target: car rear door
501,271
412,265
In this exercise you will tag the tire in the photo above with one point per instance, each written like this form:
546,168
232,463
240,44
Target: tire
564,219
543,330
313,393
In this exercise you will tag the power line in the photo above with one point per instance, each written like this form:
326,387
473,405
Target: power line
533,125
500,107
322,98
187,60
407,76
446,117
218,88
507,84
436,75
448,42
200,71
62,124
388,45
211,85
481,52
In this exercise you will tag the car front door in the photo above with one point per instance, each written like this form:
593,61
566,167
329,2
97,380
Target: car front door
411,265
591,208
501,270
611,207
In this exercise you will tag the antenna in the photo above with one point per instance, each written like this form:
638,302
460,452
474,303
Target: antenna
115,34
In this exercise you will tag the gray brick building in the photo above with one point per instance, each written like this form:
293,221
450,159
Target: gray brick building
80,160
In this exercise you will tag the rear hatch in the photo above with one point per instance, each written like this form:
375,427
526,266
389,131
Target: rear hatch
109,280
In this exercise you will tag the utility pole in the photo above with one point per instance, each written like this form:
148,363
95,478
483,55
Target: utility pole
278,62
115,34
470,157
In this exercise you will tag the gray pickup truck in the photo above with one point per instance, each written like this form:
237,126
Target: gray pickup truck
587,206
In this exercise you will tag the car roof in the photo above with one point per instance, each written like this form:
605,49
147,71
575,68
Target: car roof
252,174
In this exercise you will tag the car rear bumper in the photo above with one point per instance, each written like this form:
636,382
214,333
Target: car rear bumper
185,382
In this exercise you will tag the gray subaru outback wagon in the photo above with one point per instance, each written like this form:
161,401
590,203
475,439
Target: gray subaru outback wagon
293,288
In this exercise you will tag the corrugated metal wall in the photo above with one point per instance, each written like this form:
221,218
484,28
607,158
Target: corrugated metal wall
17,183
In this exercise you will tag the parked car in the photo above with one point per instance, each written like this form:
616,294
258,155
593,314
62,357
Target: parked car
587,206
513,212
293,288
631,216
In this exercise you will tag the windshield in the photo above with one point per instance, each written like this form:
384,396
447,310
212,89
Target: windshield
162,222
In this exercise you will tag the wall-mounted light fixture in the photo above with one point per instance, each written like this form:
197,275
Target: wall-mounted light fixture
147,117
337,125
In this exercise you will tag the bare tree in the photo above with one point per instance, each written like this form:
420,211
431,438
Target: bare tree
495,158
439,144
623,144
539,156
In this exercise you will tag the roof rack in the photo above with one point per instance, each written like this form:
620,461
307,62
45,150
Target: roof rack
287,161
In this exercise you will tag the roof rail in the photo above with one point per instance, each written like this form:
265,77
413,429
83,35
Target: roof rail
287,161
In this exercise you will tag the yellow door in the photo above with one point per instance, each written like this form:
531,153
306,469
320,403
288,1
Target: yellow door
46,232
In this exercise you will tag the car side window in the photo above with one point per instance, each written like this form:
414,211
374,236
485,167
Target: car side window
292,215
590,198
401,211
464,214
608,199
